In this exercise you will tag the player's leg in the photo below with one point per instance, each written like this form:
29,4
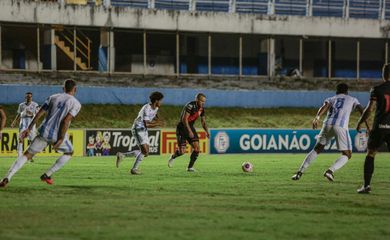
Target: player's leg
323,138
66,148
181,146
36,146
120,156
344,144
194,155
138,159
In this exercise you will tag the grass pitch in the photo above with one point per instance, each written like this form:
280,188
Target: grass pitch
91,199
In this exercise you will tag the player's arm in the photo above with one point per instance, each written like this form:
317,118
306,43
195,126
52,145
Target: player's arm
3,120
366,113
17,118
154,123
184,119
360,109
65,123
323,109
203,122
36,118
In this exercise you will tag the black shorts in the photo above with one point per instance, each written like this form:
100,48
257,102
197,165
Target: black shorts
377,138
183,137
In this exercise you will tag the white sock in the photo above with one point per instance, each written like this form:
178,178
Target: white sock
20,149
58,164
310,157
138,160
339,163
18,164
132,153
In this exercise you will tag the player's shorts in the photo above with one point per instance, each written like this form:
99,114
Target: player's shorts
141,136
183,137
39,143
377,138
343,139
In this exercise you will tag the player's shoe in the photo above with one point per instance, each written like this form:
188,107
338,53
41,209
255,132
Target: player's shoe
47,179
191,169
364,189
329,175
171,161
119,158
297,176
4,183
135,171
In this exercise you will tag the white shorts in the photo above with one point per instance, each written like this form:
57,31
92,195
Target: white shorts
141,136
39,143
343,139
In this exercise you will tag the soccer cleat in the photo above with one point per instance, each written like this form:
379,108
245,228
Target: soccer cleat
297,176
119,158
171,161
47,179
329,175
135,171
4,182
191,169
364,189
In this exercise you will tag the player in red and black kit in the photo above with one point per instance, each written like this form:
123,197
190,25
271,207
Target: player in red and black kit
185,130
379,97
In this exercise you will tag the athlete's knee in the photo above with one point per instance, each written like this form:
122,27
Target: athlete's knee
347,153
195,154
319,148
371,153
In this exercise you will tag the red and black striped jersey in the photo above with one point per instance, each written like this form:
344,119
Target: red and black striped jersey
194,111
381,94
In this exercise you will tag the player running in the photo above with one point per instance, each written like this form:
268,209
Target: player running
339,109
379,98
25,114
185,130
147,118
60,110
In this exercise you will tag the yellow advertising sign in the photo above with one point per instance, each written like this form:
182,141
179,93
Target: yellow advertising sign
9,144
169,142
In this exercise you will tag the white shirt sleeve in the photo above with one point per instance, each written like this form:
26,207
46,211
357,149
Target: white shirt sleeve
355,103
145,114
75,109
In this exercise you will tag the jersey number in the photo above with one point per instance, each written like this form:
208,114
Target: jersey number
339,104
387,98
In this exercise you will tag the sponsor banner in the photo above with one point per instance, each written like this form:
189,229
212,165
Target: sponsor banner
274,141
9,143
169,142
106,142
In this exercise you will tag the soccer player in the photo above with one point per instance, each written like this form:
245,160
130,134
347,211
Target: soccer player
3,119
379,98
186,132
339,108
60,110
147,118
26,112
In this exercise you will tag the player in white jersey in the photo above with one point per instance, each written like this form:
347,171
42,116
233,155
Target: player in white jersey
147,118
25,114
60,110
335,125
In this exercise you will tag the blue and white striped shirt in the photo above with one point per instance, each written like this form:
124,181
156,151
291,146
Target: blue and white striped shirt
340,109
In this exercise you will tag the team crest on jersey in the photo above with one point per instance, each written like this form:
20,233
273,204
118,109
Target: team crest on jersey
221,142
361,141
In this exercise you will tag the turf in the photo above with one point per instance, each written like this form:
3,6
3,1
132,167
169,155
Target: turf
91,199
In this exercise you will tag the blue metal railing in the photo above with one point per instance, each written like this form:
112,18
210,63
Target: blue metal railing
328,8
290,7
364,8
252,6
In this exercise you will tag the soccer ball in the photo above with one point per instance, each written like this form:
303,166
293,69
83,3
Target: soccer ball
247,167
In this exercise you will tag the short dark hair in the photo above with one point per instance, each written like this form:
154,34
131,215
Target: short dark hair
342,88
29,93
69,84
156,96
386,72
200,95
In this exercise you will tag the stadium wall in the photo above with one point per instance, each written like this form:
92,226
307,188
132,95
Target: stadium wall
12,94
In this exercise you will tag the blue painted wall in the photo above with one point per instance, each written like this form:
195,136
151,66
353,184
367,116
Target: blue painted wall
11,94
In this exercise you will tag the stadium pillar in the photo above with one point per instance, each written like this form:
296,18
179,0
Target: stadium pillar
329,59
105,51
177,54
271,7
301,56
386,52
38,49
309,8
49,49
74,49
1,54
144,39
151,3
192,5
346,9
240,55
271,57
111,52
232,6
209,54
358,60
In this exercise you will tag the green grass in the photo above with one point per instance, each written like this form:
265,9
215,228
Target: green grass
91,199
122,116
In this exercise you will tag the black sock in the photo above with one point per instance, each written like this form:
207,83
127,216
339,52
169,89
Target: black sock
368,170
176,154
194,156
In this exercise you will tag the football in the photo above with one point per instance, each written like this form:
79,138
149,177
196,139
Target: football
247,167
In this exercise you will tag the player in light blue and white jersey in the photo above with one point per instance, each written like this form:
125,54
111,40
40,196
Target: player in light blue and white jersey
147,118
60,110
335,125
25,114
